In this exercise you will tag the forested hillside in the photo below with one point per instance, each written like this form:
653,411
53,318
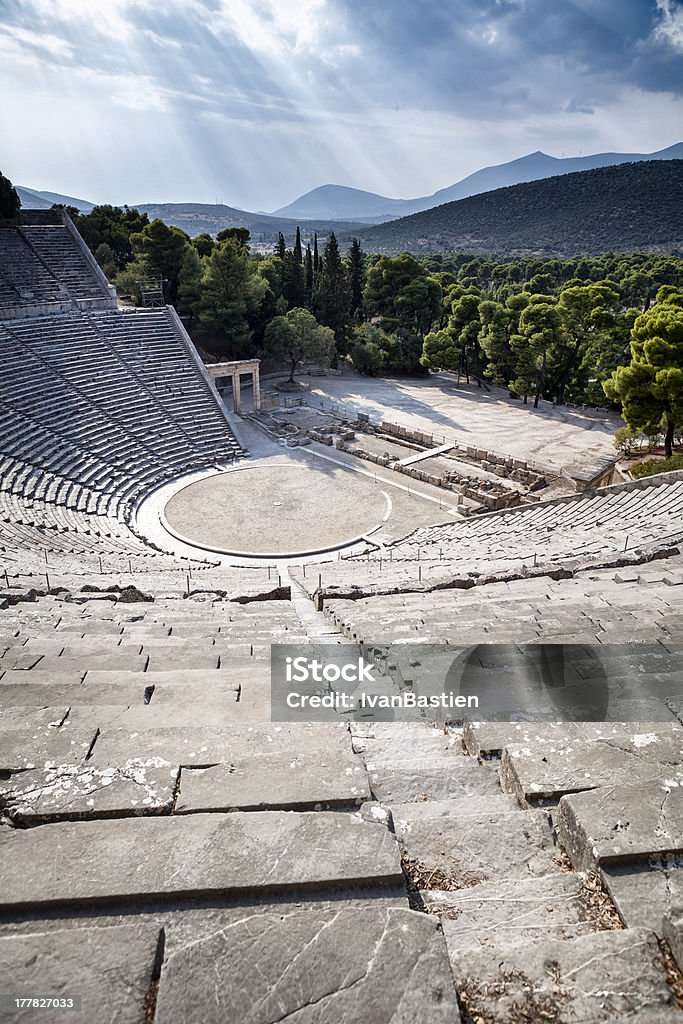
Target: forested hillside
636,207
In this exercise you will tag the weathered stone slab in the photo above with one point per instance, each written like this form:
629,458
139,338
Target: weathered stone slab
44,746
672,927
644,892
479,848
171,684
621,823
404,742
110,969
43,678
82,791
275,781
605,976
199,854
487,739
376,964
455,807
459,777
111,661
41,695
511,910
549,770
21,717
204,747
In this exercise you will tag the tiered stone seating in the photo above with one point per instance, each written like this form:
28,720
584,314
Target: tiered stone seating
97,410
23,278
628,522
637,603
58,252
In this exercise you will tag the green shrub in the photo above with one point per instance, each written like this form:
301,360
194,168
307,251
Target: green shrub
652,466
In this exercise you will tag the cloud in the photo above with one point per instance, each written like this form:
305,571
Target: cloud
259,100
670,28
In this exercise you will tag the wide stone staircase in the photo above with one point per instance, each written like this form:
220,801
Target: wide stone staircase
170,851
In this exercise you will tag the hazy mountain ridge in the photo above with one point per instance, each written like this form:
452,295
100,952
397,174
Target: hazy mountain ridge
633,207
340,202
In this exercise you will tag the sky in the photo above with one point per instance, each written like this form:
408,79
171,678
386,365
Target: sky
254,102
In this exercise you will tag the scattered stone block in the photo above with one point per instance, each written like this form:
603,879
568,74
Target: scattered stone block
407,782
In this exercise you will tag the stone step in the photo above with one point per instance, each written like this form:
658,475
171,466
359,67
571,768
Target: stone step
274,781
456,853
204,747
407,782
512,910
618,823
103,967
604,976
140,859
346,963
82,791
44,747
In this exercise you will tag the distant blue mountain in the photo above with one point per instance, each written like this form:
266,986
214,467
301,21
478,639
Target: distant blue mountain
34,200
337,202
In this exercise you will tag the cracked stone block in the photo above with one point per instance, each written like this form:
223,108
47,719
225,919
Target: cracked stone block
672,929
512,910
621,823
604,976
204,747
199,855
644,892
488,739
86,791
378,964
275,781
44,746
20,716
413,781
43,678
550,770
478,848
111,660
40,695
455,807
110,969
405,742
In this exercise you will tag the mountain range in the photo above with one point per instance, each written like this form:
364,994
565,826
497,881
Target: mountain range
336,202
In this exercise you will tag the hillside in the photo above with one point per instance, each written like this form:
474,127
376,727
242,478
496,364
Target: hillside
196,218
627,208
336,202
32,199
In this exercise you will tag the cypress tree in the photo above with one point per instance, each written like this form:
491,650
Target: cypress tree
332,297
316,257
356,277
308,275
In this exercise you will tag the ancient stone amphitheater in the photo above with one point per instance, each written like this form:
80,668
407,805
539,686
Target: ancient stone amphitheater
170,854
